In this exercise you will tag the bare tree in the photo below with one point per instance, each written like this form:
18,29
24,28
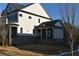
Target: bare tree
69,18
3,30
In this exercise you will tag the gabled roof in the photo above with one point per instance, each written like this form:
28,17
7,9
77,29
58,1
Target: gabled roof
49,23
37,8
18,7
15,6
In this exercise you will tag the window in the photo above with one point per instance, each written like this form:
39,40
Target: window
30,17
21,30
9,8
38,20
20,15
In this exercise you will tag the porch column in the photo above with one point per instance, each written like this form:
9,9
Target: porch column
35,32
10,39
53,36
46,33
41,34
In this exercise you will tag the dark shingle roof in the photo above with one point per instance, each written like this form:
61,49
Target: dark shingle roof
20,6
15,6
48,24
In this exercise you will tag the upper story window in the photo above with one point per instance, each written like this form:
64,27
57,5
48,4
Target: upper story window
38,20
20,15
30,17
21,30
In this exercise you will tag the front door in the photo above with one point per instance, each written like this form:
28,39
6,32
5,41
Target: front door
14,32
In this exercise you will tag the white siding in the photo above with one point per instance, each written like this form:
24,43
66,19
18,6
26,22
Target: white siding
36,9
58,34
28,24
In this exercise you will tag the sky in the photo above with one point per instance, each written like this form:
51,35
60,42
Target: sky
52,10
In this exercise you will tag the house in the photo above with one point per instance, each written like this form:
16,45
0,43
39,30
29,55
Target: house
22,20
50,32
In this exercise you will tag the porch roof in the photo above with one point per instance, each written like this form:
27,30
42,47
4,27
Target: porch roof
48,24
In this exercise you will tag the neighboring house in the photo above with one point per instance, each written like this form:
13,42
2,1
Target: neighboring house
50,32
22,19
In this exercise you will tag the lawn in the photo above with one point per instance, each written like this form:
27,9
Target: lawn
43,49
32,50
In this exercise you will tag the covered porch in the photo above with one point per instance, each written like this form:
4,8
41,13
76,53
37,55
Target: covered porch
51,32
50,35
45,35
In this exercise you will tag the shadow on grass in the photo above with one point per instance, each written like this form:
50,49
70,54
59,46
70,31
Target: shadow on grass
43,49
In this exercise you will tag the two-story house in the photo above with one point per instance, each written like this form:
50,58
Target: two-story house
23,19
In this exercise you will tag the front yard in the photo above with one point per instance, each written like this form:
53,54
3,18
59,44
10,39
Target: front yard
31,50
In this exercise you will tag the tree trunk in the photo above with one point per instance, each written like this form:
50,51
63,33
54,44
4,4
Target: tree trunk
3,41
